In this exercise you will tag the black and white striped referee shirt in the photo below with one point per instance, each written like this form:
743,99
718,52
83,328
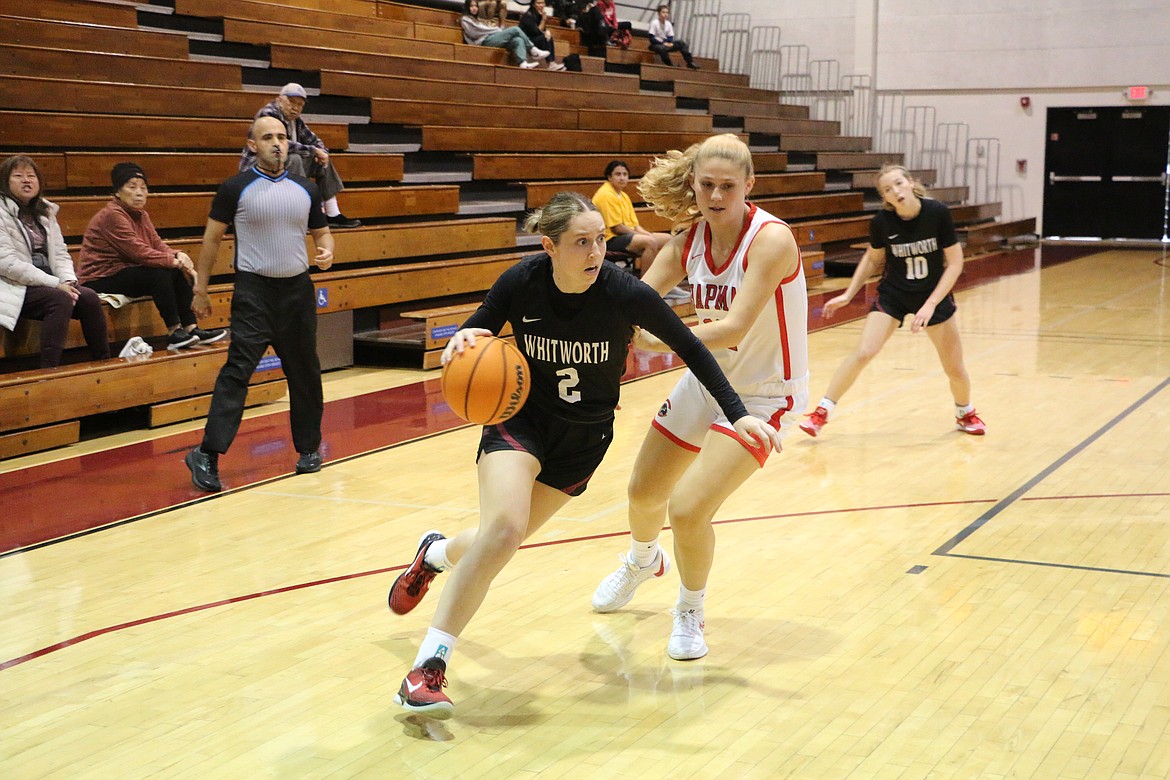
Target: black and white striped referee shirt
271,215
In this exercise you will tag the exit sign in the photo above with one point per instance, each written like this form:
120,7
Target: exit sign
1137,93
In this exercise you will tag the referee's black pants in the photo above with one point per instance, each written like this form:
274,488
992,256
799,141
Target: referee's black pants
283,313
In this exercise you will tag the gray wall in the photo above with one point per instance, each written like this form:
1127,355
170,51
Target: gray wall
974,59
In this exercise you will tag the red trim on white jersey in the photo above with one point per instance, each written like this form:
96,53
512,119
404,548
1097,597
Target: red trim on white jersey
747,223
773,354
661,429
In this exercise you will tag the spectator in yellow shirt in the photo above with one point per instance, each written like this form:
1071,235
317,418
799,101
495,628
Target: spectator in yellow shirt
622,231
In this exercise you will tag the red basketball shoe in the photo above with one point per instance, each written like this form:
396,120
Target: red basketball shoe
970,423
817,419
422,690
410,587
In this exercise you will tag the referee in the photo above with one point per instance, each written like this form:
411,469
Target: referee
274,302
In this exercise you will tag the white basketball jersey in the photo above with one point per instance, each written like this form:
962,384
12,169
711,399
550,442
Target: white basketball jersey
772,358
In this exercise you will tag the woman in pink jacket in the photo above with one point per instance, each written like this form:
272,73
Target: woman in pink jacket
122,254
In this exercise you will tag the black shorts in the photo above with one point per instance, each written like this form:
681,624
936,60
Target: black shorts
898,304
619,243
569,452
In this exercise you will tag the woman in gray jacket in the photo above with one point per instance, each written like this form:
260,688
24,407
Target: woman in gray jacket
37,280
478,32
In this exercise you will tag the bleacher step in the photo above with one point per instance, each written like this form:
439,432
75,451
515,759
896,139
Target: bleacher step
482,206
383,148
243,63
436,177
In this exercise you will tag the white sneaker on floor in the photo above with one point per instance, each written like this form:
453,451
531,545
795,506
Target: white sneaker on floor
686,638
530,65
616,590
556,66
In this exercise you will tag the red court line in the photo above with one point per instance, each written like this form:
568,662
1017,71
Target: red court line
135,480
343,577
138,479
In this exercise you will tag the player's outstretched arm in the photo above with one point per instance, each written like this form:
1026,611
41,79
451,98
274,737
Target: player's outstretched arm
667,270
871,261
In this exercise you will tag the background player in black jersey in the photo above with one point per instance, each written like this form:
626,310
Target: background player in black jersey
573,316
914,237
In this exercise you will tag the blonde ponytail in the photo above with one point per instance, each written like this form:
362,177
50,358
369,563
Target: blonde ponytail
668,187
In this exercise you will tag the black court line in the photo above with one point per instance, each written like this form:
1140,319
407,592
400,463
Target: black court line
1074,566
1019,492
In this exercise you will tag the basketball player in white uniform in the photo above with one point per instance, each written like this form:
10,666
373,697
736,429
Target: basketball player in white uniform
750,296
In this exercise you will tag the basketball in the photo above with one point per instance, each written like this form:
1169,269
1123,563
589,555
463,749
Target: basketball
487,383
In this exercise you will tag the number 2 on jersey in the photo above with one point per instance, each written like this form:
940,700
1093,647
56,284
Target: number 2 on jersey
569,380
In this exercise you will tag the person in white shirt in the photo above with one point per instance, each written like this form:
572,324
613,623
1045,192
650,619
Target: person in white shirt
662,40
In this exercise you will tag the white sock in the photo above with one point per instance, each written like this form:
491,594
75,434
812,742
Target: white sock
436,555
643,553
964,410
331,207
829,405
690,600
436,644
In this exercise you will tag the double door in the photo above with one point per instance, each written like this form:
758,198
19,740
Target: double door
1105,172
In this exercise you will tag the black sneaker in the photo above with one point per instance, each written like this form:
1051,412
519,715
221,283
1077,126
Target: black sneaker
208,336
309,463
342,221
692,66
180,338
204,470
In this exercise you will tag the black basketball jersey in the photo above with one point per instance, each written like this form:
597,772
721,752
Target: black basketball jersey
914,247
576,344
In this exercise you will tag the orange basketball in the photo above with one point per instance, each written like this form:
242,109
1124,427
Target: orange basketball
487,383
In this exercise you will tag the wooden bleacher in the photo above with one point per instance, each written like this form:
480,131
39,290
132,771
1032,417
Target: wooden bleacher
86,88
539,192
519,166
189,209
993,235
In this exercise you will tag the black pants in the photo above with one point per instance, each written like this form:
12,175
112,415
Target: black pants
328,180
281,313
663,51
54,308
168,287
542,42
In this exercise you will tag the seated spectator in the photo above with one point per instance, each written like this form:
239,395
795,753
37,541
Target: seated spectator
493,12
621,35
662,40
307,155
122,254
534,23
593,30
568,11
480,32
599,28
37,281
622,231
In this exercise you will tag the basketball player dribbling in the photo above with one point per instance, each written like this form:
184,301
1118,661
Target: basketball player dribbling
751,300
914,237
573,316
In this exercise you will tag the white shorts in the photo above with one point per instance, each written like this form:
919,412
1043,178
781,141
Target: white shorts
689,412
